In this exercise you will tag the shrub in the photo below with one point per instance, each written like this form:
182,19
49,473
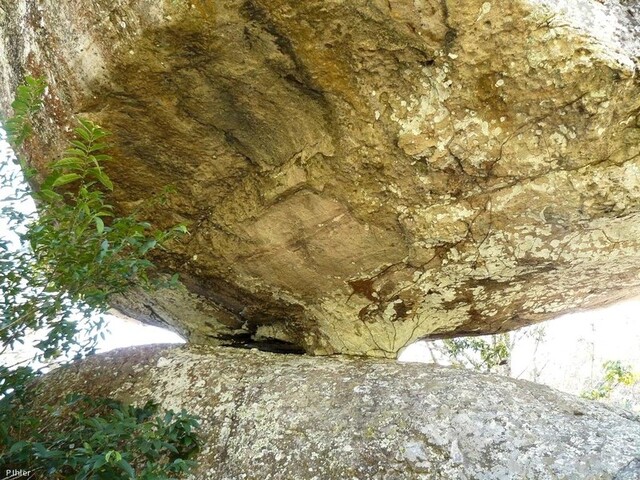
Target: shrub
57,278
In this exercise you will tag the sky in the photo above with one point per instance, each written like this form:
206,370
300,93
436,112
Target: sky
126,332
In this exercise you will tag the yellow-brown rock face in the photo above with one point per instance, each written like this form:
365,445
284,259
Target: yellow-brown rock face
357,174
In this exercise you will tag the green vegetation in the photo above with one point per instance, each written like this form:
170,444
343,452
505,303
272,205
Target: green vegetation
28,101
480,354
615,374
57,278
105,439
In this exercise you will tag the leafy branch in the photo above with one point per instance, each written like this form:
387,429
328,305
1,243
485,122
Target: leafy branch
89,438
615,374
77,252
57,276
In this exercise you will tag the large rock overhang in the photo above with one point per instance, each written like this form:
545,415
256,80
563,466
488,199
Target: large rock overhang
356,175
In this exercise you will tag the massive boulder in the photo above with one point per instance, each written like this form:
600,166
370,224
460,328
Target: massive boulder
356,174
273,416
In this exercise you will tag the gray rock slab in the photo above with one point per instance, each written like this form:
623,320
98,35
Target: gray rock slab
270,416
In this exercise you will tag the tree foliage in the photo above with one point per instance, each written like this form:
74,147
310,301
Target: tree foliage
478,353
76,252
58,273
615,374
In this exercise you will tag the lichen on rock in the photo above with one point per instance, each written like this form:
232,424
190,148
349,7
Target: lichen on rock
272,416
357,175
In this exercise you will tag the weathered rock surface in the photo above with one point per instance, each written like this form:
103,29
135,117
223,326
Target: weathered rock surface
267,416
358,174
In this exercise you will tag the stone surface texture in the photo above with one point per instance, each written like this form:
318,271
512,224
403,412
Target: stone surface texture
271,416
356,174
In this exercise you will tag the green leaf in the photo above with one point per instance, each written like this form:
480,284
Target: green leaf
69,162
99,225
80,146
111,455
86,124
75,152
94,147
98,461
122,463
16,447
84,133
49,195
148,245
104,180
20,106
66,178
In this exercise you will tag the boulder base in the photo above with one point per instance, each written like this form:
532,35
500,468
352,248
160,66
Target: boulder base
267,416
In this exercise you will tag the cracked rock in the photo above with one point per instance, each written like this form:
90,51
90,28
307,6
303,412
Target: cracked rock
356,175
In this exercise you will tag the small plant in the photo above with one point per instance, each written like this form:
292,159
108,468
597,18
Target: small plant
615,374
103,438
27,102
58,274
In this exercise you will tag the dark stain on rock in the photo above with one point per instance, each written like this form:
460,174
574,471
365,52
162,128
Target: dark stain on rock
364,288
401,309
